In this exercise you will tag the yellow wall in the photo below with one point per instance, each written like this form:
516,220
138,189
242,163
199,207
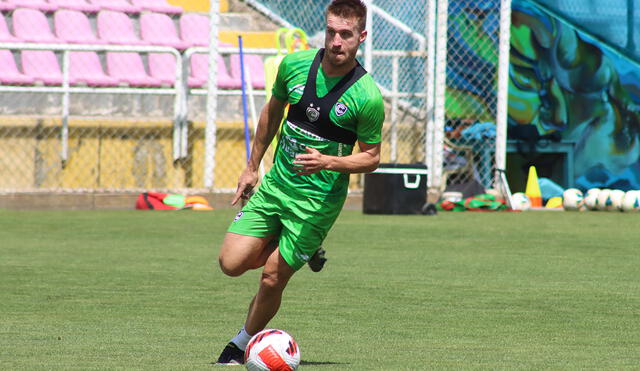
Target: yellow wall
199,5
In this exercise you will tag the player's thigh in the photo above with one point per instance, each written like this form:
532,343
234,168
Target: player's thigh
240,251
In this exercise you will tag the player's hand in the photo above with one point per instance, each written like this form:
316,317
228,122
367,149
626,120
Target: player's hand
248,179
310,162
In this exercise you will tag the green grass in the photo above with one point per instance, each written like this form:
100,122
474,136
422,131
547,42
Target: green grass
142,290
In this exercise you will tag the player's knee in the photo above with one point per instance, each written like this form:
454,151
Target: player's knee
271,282
229,268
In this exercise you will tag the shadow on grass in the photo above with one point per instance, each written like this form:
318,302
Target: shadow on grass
326,363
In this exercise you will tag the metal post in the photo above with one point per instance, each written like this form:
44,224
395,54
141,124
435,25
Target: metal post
439,93
212,96
64,134
430,86
503,87
368,50
394,109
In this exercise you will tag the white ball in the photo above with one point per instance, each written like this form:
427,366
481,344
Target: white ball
616,196
631,201
603,202
591,198
520,201
272,350
572,199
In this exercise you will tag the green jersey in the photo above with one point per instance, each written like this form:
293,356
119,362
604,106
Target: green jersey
359,111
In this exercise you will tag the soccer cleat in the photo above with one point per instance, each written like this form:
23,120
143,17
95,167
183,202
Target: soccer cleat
317,260
231,355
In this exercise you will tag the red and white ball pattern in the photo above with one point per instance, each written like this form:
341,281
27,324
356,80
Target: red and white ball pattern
272,350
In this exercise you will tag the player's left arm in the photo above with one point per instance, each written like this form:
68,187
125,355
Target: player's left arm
365,161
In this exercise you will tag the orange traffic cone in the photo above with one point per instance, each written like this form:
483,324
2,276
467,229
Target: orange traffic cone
533,188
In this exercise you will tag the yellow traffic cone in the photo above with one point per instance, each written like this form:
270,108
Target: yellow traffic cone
533,188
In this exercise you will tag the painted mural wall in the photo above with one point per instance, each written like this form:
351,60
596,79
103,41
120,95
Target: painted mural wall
563,81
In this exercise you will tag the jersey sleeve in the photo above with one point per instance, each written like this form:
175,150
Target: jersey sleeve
280,85
370,120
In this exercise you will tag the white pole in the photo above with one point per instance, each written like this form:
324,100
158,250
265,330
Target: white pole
368,50
439,93
212,96
394,110
430,88
64,135
503,86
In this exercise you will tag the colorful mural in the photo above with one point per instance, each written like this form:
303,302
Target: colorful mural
562,81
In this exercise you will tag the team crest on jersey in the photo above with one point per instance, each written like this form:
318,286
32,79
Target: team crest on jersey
312,113
341,109
238,216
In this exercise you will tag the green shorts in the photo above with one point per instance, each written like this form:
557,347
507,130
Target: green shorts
298,222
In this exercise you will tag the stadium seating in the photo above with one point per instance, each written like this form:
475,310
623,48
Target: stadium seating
85,69
5,7
42,5
79,5
199,73
117,28
5,35
128,68
253,65
162,66
9,74
42,66
74,27
158,29
194,29
159,6
117,5
32,25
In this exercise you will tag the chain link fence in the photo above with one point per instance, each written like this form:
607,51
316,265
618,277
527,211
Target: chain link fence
101,100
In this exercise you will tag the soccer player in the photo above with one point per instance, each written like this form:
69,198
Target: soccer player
334,106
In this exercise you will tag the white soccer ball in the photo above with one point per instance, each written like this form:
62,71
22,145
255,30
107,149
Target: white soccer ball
603,202
572,199
520,201
616,196
591,198
631,201
272,350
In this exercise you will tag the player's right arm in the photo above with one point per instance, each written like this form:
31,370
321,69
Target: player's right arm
268,124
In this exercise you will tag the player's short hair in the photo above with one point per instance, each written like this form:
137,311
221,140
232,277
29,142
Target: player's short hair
350,9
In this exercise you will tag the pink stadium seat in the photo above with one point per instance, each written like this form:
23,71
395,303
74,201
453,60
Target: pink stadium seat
158,29
194,29
162,66
117,28
117,5
5,7
159,6
33,4
32,25
199,73
73,26
42,66
85,69
5,35
80,5
9,74
128,68
253,64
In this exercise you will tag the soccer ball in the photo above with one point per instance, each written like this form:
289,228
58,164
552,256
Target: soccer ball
616,196
572,199
272,350
520,201
631,201
603,202
591,198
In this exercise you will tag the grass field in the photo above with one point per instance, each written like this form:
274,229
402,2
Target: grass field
142,290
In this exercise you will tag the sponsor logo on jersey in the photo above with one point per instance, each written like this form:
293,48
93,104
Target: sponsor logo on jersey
341,109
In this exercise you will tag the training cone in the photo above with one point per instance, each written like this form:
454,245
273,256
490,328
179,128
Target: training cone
533,188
